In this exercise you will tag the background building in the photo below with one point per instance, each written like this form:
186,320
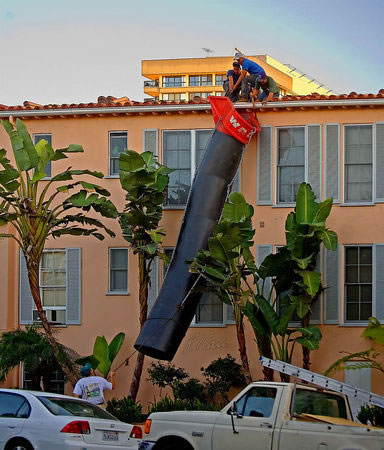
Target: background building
335,143
186,78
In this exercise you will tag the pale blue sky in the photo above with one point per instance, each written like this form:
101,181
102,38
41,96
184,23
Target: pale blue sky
56,51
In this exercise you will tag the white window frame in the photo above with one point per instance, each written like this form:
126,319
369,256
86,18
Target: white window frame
193,156
34,136
359,323
117,292
41,288
342,181
276,202
111,132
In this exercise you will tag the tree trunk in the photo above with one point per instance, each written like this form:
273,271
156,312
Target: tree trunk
305,321
33,277
265,349
143,300
242,346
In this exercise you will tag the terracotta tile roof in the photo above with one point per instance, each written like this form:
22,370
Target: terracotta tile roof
113,102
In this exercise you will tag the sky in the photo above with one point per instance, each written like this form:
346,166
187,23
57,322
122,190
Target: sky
72,51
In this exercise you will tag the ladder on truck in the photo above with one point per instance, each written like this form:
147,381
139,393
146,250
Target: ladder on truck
323,381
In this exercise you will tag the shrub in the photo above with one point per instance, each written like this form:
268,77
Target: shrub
167,404
125,409
222,374
189,390
373,414
164,375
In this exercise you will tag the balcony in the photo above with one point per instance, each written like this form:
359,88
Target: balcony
151,83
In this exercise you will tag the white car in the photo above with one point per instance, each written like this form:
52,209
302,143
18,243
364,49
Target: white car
39,420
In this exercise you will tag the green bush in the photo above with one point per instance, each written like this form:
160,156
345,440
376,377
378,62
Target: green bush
222,374
164,375
373,414
125,409
189,390
167,404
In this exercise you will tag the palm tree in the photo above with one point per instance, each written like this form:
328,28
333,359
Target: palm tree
37,212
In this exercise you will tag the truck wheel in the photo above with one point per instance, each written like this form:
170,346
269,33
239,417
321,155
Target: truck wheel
173,444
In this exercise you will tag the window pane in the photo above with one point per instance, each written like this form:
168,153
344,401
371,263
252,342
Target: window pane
119,280
59,278
365,274
319,403
365,255
60,297
353,311
59,260
352,255
119,258
118,143
48,297
352,293
365,311
366,293
258,403
352,274
47,260
10,405
210,309
290,179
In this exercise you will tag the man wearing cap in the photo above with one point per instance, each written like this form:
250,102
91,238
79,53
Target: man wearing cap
269,89
232,77
91,387
247,82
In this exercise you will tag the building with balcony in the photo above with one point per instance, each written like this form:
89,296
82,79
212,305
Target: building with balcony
335,143
186,78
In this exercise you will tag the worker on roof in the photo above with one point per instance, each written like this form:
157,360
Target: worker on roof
232,77
248,82
268,87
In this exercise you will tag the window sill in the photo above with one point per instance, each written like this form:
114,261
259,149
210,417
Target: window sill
208,325
358,204
176,207
284,205
353,324
53,325
114,293
111,176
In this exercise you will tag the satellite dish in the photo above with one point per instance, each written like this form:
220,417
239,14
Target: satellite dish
207,51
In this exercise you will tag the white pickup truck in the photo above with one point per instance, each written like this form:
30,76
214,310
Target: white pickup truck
265,416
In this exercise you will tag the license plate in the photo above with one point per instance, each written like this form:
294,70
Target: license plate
110,436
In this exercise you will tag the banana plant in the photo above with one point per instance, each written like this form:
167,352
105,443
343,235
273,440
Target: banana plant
38,210
103,354
145,181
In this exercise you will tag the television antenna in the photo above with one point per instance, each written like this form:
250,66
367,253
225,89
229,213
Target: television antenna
207,51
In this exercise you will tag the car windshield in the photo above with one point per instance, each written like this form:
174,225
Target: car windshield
68,407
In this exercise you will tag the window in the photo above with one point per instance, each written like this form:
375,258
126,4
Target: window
68,407
291,163
219,93
118,142
192,95
210,309
180,149
14,405
358,283
320,403
56,380
48,138
200,80
358,156
53,285
257,402
175,97
173,81
220,79
118,270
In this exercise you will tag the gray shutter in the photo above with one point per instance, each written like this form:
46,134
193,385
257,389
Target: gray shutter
264,166
25,297
316,307
262,251
332,162
331,294
153,289
236,185
73,286
151,141
379,281
379,162
314,158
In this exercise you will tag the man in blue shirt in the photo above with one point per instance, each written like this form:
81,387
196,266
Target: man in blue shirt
232,77
248,83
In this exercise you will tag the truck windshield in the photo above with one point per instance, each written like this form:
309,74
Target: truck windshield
320,403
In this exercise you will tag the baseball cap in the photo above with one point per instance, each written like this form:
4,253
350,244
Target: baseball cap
238,55
86,370
235,64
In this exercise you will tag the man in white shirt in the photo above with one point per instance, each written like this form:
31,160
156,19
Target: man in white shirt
91,387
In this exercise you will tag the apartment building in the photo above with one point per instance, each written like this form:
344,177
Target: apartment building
187,78
336,143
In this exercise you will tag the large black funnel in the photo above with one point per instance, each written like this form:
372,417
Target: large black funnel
176,304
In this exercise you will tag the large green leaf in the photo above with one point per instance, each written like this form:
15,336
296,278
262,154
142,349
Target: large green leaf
72,148
311,281
101,352
323,211
269,313
92,360
45,152
302,304
131,161
374,331
115,346
306,206
329,239
236,209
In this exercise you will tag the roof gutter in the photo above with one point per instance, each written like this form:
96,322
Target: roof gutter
189,107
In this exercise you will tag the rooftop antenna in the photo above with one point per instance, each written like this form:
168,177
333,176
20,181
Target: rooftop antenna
207,51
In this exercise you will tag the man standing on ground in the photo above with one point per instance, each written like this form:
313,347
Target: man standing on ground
269,89
229,83
247,82
91,387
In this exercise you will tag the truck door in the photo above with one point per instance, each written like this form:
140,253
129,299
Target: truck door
254,421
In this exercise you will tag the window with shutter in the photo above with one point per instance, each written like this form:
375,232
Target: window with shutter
331,293
379,281
151,141
153,289
332,162
26,302
314,158
379,162
118,143
264,166
118,271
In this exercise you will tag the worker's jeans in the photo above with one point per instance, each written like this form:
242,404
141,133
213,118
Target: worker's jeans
248,84
262,95
233,96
